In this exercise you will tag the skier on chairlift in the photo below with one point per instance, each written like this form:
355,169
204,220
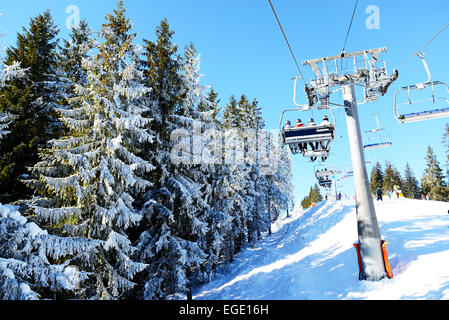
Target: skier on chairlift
325,144
299,123
313,146
311,122
325,121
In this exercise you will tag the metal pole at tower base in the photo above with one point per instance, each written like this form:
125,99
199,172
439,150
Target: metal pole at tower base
372,267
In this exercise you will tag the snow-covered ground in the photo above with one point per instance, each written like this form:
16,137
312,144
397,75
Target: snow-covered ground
311,256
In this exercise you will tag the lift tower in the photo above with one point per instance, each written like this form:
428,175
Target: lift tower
344,72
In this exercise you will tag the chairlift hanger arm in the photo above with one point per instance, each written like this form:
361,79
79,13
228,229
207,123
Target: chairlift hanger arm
429,76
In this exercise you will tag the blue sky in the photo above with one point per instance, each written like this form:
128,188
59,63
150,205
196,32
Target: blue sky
243,51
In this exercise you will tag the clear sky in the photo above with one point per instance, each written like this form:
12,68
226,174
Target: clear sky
243,51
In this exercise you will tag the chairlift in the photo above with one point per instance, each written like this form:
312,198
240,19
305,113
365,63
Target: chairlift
376,138
325,176
349,173
441,101
312,141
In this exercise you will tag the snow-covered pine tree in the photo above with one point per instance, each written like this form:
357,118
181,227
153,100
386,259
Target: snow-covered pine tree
446,145
392,178
187,236
218,217
285,182
376,178
27,270
282,183
90,178
72,54
411,188
7,73
432,182
260,171
168,243
190,181
37,265
240,181
316,196
211,105
231,113
31,100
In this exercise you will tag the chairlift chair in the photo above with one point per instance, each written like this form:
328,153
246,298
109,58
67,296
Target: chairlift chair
327,171
311,141
435,113
327,185
325,176
376,138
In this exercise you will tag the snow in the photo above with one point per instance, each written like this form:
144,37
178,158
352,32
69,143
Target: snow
310,256
11,212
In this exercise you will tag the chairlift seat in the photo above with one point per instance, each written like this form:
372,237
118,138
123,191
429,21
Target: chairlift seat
309,134
321,174
424,115
377,145
316,153
347,176
325,183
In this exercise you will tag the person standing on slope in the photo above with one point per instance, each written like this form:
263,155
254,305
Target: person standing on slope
379,194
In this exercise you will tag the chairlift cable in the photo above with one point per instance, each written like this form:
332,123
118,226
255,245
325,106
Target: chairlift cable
286,40
425,45
350,26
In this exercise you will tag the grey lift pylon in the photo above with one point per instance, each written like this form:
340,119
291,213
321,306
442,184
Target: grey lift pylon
363,68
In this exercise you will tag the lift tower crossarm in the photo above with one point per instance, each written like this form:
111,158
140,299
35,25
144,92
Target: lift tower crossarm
341,56
367,71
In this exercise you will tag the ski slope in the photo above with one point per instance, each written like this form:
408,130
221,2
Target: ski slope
311,256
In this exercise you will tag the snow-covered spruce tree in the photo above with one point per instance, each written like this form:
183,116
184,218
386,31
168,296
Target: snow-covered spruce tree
281,186
284,179
432,182
392,177
31,100
236,178
258,168
164,244
446,145
182,243
202,172
376,178
160,245
7,73
27,253
219,216
248,185
37,265
314,196
90,178
211,105
71,56
410,186
231,114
